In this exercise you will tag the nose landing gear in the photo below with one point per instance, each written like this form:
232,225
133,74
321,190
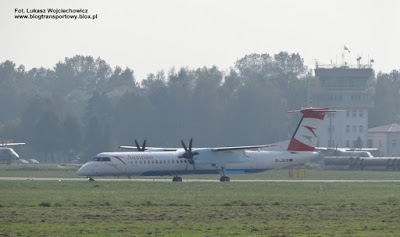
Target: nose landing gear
176,179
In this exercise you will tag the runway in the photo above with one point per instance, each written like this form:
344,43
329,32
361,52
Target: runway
203,180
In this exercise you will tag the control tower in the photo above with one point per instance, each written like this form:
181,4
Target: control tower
345,88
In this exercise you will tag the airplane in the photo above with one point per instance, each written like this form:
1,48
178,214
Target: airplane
223,160
363,152
8,154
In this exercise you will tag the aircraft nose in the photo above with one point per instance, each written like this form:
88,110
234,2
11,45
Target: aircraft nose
83,171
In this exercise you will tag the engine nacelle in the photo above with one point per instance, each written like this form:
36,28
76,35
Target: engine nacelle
179,153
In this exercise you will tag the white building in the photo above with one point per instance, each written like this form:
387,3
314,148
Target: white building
386,138
344,88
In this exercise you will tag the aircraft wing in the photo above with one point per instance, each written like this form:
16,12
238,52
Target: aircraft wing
216,149
128,147
238,148
12,144
150,148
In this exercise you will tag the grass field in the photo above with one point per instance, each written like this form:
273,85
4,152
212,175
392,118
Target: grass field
127,208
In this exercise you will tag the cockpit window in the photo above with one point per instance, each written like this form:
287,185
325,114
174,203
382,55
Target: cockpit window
102,159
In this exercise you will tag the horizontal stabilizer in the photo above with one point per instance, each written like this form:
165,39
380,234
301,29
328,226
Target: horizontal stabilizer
316,110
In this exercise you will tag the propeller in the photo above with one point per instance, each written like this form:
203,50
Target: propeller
188,152
143,148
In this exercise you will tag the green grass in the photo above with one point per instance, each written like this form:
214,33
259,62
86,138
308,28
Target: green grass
38,170
127,208
70,208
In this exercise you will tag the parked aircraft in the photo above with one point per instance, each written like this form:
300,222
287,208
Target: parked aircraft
223,160
364,152
7,154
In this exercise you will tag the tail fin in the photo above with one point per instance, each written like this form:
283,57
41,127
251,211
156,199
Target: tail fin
305,137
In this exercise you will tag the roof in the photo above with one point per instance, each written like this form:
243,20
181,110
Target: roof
394,127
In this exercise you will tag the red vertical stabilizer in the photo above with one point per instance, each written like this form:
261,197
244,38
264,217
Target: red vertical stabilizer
305,137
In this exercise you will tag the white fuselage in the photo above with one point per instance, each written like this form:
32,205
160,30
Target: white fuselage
153,163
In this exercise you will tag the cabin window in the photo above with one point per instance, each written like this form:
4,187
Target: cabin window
156,161
152,161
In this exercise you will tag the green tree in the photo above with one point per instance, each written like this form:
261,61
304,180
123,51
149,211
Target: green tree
72,136
99,105
46,137
134,119
386,108
97,139
83,72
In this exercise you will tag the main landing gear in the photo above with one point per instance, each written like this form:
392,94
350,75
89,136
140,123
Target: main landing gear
224,178
176,179
91,179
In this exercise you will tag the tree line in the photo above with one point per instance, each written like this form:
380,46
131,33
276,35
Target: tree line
82,106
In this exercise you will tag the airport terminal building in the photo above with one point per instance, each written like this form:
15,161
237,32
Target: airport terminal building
344,88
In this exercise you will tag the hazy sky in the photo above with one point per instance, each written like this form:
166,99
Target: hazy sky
151,35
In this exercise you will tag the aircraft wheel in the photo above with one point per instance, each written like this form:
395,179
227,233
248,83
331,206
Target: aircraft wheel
91,179
224,179
177,179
